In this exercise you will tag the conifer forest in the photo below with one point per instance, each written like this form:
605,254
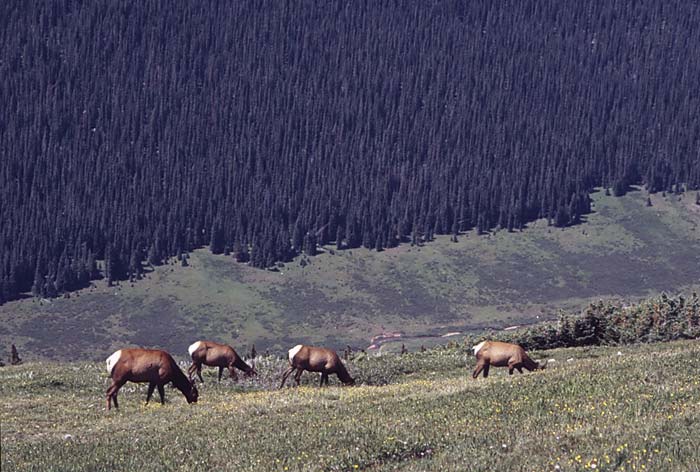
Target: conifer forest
132,132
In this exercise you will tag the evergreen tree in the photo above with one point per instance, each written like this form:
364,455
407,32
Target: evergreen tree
114,267
38,284
14,359
135,265
153,256
217,242
379,245
620,187
565,333
240,252
91,266
297,237
339,237
310,244
561,218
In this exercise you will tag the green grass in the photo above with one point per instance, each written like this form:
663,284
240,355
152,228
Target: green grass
639,410
624,249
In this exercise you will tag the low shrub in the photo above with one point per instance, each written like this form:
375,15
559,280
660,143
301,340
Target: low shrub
611,322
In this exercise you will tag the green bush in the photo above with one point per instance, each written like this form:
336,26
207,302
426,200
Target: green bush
657,319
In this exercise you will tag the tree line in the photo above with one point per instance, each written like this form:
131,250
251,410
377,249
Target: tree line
136,132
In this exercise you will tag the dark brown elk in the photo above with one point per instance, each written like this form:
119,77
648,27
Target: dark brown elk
147,365
216,355
316,359
500,354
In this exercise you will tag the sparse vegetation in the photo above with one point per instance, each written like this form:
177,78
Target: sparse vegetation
612,408
491,281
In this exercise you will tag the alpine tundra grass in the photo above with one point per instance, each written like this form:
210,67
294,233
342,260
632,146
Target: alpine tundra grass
604,408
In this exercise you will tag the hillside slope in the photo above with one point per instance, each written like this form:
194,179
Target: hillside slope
265,128
624,249
627,408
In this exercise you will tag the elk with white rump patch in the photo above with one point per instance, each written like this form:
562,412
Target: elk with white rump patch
316,359
216,355
147,365
500,354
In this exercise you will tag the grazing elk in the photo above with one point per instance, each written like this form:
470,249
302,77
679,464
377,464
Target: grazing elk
216,355
316,359
500,354
147,365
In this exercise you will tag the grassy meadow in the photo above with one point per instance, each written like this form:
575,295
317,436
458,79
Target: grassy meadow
604,408
624,249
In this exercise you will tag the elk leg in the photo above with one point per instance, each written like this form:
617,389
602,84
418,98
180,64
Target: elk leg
112,394
486,370
109,398
161,392
151,387
232,373
477,370
286,374
324,378
116,392
515,365
195,368
297,376
221,371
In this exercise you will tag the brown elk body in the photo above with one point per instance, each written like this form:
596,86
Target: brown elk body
147,365
500,354
316,359
216,355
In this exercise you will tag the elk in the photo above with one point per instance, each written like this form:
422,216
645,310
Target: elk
316,359
147,365
216,355
500,354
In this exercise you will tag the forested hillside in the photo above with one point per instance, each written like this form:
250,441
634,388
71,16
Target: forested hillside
131,133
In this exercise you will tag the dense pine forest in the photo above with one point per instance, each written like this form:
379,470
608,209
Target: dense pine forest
136,131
